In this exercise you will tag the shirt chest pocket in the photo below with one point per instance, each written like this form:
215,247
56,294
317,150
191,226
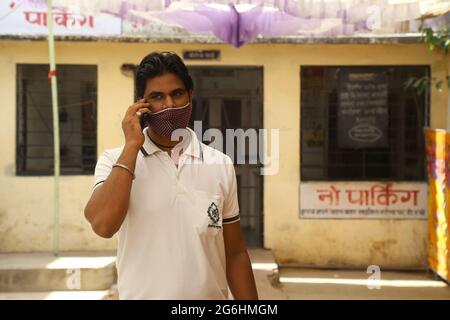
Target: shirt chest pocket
208,213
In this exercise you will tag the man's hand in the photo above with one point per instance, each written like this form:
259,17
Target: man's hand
108,205
131,126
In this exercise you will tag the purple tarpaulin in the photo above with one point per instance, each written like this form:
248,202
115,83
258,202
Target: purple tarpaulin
239,22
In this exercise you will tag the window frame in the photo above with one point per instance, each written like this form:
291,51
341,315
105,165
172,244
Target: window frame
427,111
20,170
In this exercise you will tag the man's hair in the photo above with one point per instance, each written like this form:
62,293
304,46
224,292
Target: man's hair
160,63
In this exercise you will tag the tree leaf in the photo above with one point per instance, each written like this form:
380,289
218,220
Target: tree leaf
408,83
420,90
418,82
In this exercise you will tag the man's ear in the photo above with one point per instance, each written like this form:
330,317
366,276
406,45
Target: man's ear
191,94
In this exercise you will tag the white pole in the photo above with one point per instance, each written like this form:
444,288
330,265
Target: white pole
54,88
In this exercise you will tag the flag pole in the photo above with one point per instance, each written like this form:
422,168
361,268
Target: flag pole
54,90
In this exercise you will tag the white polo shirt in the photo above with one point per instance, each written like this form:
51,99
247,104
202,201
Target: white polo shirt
170,244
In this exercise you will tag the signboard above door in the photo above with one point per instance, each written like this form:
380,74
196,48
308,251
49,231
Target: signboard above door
201,54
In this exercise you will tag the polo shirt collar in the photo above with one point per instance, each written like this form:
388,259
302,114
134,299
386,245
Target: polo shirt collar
194,148
148,148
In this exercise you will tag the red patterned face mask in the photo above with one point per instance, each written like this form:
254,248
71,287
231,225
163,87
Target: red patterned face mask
166,121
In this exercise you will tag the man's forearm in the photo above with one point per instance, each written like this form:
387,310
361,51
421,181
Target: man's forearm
107,207
240,277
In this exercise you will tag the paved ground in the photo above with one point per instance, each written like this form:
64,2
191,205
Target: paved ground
320,284
278,284
55,295
312,284
265,272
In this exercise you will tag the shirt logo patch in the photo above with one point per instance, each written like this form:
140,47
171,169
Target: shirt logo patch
213,213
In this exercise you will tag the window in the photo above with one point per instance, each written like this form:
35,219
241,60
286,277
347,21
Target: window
361,123
77,91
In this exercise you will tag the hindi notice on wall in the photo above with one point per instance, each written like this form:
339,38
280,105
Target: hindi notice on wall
363,200
362,108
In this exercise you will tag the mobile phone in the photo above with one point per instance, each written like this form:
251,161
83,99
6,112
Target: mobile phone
143,122
143,118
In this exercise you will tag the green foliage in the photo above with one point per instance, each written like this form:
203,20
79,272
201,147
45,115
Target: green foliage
422,83
435,40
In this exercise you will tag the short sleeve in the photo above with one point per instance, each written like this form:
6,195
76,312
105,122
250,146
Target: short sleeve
103,168
231,205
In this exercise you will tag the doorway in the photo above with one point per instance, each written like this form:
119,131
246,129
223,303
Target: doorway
232,98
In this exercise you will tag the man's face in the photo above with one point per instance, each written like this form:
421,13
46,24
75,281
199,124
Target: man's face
166,91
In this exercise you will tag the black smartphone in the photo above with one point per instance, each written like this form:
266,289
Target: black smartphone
143,118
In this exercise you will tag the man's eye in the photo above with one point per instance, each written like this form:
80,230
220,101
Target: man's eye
177,94
156,97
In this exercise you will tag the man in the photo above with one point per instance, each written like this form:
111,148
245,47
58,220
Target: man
171,198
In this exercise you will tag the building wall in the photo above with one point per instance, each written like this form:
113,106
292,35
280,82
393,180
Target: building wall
26,210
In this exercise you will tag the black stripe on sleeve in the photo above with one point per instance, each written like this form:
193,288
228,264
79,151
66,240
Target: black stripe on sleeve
232,219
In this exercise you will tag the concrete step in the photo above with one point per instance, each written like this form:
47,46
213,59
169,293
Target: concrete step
265,270
326,284
70,271
57,295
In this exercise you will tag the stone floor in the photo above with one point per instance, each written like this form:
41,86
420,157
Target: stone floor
273,283
313,284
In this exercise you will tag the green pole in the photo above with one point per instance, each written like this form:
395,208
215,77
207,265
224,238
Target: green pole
54,88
